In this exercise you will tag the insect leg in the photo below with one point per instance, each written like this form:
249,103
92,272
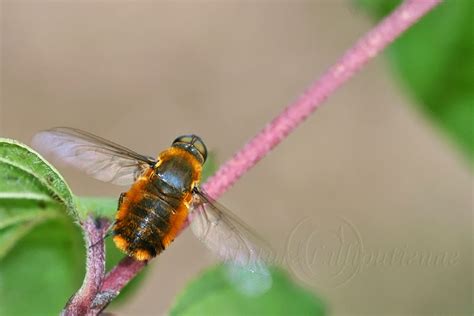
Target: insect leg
109,232
122,196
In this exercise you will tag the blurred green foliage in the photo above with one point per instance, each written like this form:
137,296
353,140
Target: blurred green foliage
434,60
212,294
210,167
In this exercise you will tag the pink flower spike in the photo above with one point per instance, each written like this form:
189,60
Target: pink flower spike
364,50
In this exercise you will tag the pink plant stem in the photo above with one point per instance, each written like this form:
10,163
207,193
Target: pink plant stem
364,50
80,303
115,280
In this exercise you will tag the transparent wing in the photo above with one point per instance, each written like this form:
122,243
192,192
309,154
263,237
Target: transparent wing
233,242
96,156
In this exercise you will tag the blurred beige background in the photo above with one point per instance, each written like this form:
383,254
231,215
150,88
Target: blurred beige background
142,72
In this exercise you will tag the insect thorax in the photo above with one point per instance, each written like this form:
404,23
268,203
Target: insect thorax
177,171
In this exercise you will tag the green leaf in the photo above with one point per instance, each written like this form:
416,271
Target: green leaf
434,60
43,270
41,252
31,192
18,217
24,174
212,294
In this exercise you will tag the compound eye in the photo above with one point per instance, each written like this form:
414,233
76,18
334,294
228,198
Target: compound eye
199,145
186,139
194,141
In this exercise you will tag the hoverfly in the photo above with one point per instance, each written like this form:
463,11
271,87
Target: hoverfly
163,193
